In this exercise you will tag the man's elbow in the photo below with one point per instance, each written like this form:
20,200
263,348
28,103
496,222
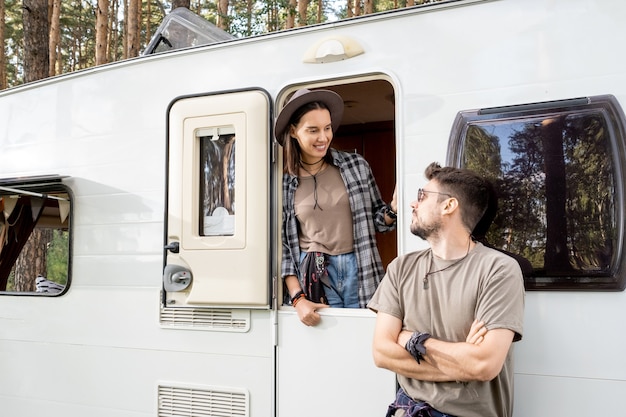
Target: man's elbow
382,356
379,358
485,371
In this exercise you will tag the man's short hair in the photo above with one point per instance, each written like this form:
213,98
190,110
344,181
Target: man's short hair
470,189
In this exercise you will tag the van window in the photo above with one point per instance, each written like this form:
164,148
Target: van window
34,236
557,169
217,184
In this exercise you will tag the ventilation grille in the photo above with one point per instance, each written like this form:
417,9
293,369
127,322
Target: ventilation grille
202,402
206,319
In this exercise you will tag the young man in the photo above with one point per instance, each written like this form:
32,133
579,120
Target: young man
447,316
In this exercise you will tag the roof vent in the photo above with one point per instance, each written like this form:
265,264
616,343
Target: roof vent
182,28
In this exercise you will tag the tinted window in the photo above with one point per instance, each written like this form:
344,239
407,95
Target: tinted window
217,183
556,168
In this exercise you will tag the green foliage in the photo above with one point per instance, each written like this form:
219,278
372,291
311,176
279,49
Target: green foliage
78,35
58,257
14,42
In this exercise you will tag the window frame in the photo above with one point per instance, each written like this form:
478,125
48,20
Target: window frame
43,186
615,120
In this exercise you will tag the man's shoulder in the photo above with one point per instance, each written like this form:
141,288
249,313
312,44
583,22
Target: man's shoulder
408,258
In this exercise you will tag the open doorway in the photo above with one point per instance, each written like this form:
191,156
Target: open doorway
368,128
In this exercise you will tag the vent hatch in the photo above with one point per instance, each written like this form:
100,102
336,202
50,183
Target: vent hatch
206,319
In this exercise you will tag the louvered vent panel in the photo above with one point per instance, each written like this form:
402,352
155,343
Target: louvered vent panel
207,319
202,402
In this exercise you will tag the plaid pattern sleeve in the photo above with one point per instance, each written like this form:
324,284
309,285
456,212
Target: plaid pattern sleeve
367,217
291,243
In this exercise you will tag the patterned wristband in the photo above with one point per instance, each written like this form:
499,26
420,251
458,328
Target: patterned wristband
415,345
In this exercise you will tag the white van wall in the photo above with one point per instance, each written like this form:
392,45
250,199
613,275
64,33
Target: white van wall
100,350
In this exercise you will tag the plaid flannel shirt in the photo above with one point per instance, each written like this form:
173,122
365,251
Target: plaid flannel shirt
367,217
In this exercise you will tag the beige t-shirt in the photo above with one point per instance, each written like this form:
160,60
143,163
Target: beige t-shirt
326,227
488,286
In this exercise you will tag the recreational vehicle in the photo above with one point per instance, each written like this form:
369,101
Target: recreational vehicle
160,179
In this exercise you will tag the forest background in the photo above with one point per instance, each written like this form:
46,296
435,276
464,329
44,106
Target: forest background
44,38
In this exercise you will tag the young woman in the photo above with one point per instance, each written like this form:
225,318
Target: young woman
332,209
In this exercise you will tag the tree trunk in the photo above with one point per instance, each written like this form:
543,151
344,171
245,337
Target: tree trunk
132,42
369,6
102,20
291,14
148,19
125,31
557,254
320,10
32,260
302,12
36,32
112,50
272,18
249,13
222,14
357,7
55,38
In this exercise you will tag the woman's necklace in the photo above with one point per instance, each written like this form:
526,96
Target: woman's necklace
314,163
429,273
314,176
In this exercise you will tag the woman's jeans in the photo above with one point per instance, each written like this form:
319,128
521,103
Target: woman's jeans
343,273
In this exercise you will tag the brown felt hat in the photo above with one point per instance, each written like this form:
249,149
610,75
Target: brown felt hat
332,100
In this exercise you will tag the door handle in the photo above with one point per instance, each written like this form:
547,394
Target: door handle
173,247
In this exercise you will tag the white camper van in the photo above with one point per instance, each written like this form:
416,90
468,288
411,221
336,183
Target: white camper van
160,180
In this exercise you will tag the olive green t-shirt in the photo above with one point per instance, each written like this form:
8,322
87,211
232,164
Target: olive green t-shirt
487,285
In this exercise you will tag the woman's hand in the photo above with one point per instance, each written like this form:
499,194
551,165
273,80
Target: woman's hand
392,218
307,311
394,199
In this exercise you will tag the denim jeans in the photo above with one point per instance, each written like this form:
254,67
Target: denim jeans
343,273
408,407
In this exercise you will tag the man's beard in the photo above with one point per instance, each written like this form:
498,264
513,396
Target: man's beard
426,231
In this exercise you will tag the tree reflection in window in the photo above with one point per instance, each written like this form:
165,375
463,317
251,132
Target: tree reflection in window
217,189
555,176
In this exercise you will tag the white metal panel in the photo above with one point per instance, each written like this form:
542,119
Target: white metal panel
101,350
328,369
106,127
552,395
